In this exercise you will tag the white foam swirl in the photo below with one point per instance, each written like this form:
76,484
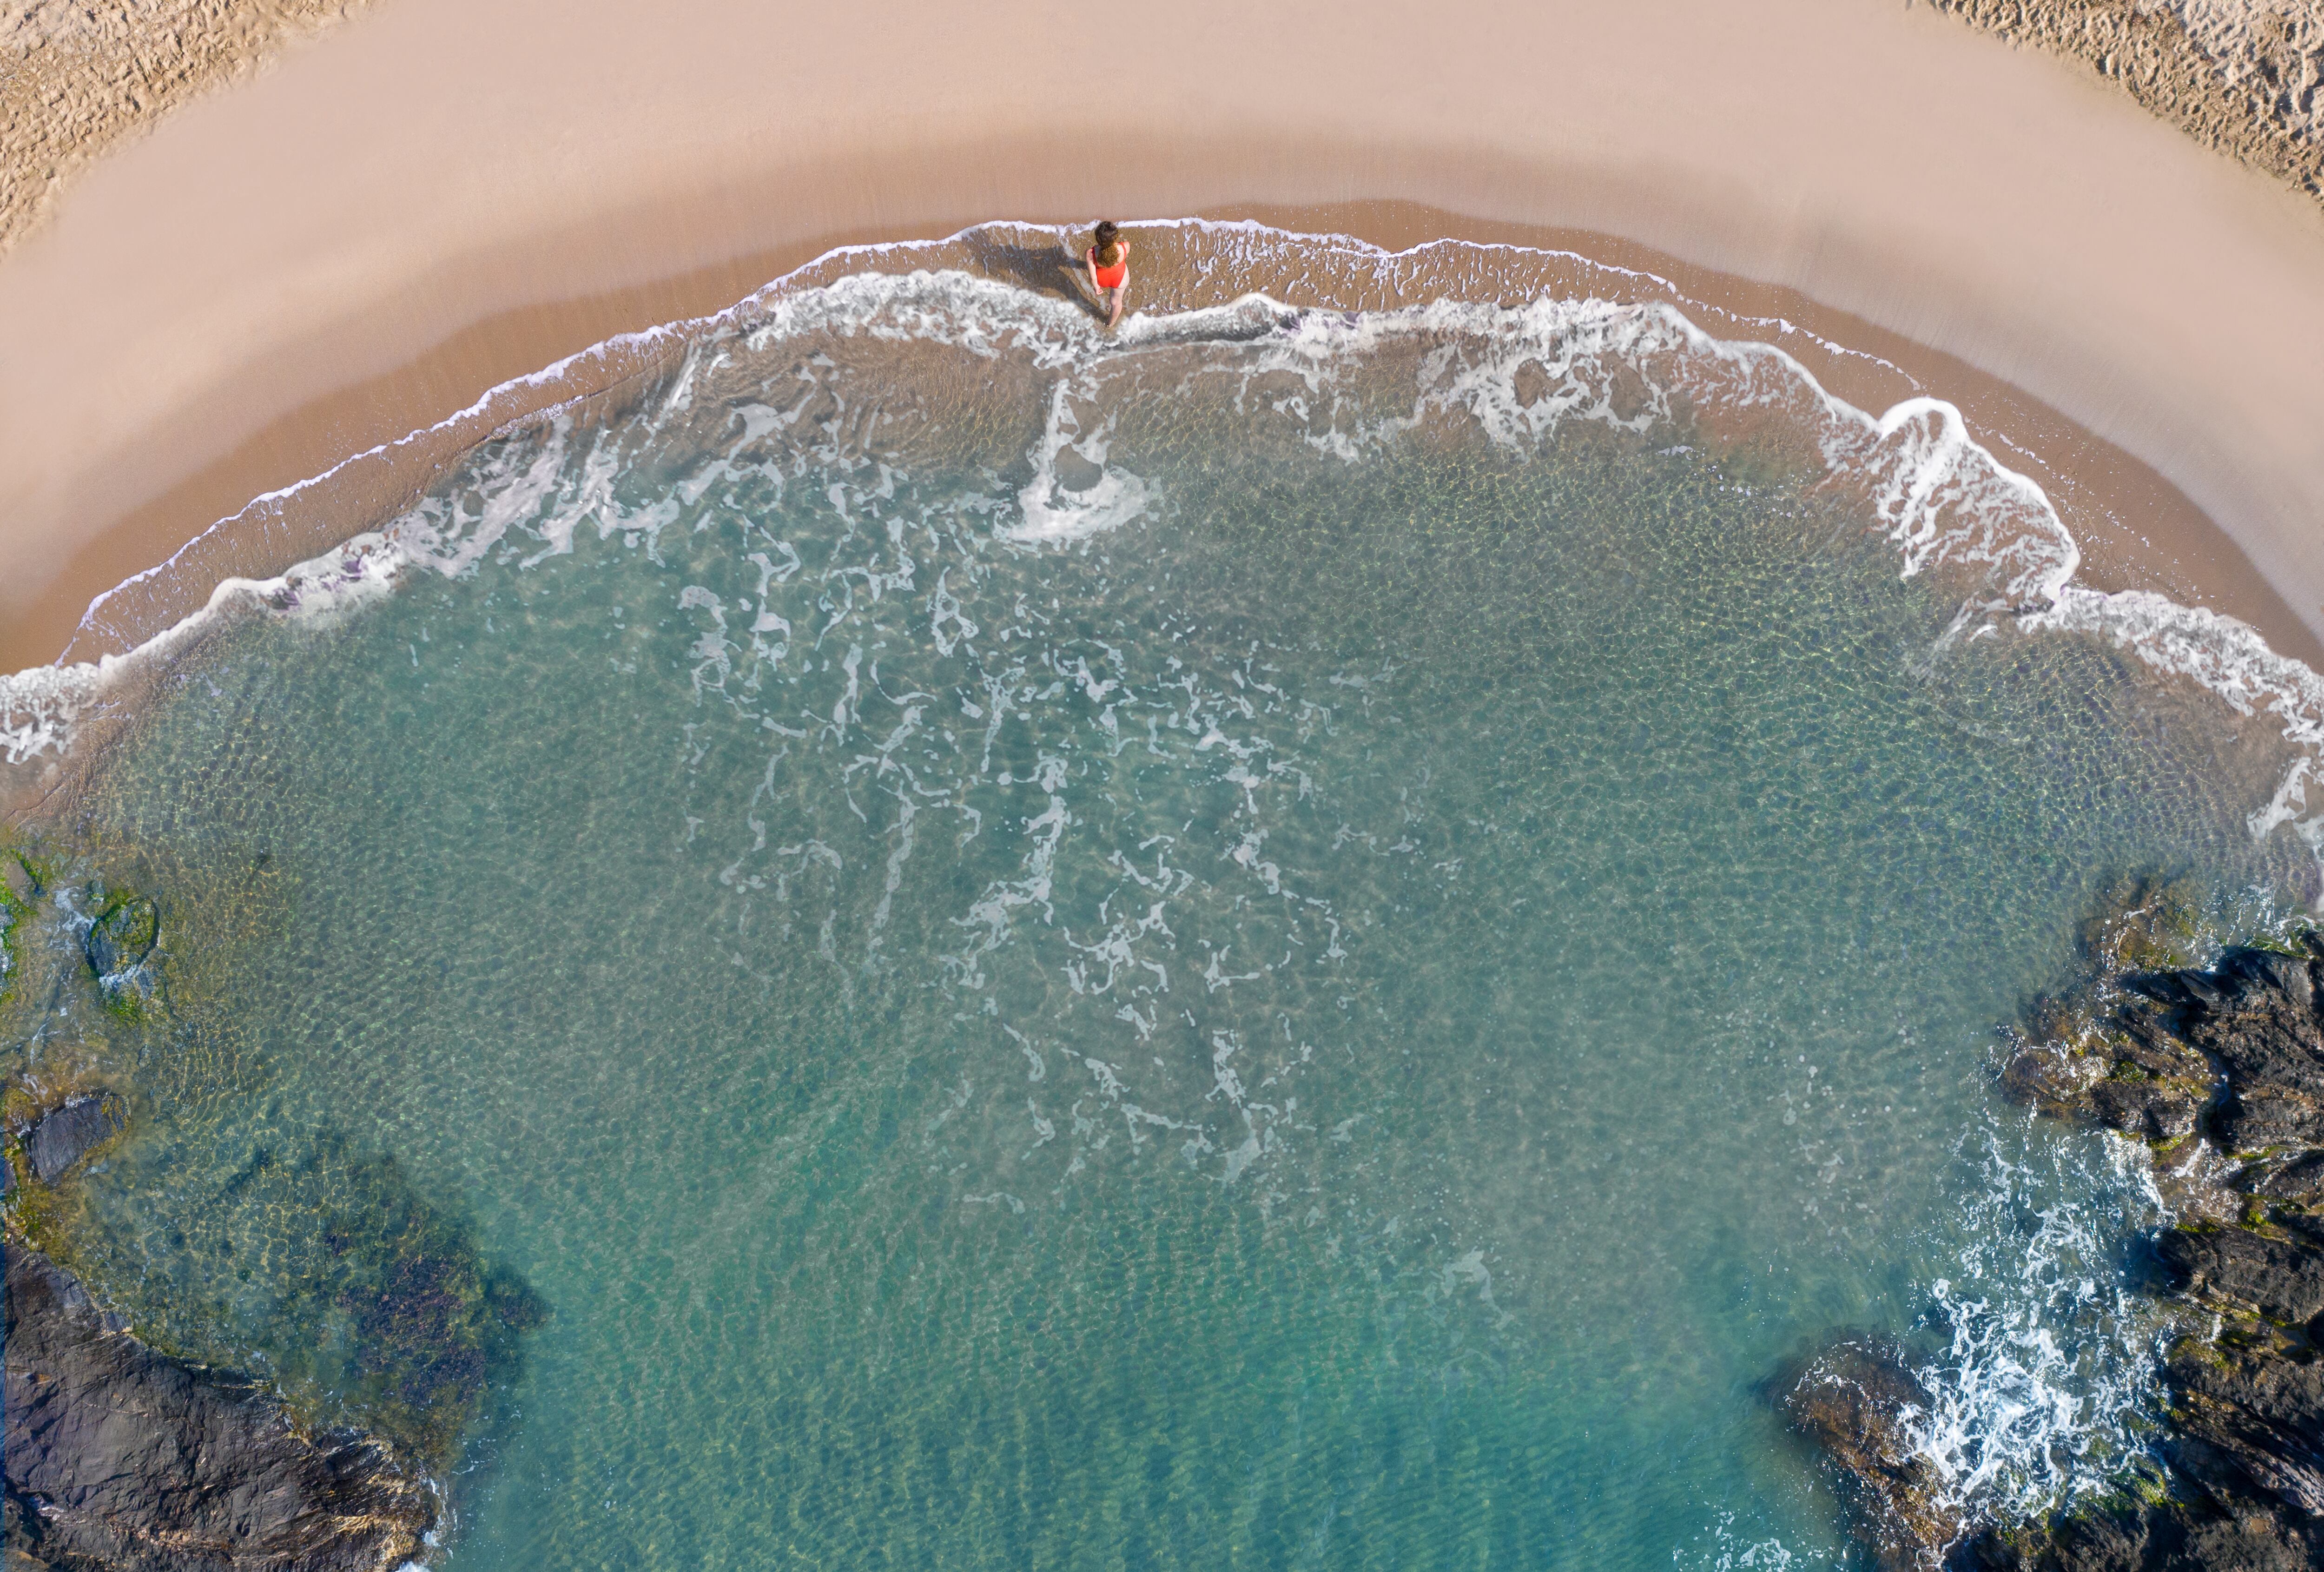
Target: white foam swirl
2230,659
1942,499
2051,1359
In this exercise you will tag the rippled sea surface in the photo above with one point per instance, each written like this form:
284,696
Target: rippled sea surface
986,963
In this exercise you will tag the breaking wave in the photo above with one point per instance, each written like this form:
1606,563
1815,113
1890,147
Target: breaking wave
2049,1368
2018,1416
1344,383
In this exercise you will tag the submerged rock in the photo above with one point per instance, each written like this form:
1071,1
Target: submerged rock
120,1457
1858,1400
64,1135
2228,1059
367,1294
121,935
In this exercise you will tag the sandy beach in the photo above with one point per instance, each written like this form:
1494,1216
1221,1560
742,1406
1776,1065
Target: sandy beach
628,1017
76,79
437,198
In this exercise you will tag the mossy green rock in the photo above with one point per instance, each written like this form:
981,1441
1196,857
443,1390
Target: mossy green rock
2150,925
123,934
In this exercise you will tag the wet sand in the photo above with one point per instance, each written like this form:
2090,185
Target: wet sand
442,197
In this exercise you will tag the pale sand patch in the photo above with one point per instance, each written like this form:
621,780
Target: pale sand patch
77,76
2245,77
452,192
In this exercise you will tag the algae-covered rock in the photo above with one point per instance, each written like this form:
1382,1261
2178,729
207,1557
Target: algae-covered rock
2193,1050
64,1135
2149,925
1858,1400
435,1326
17,892
365,1300
122,934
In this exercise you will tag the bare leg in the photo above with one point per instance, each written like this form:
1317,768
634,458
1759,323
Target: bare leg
1119,297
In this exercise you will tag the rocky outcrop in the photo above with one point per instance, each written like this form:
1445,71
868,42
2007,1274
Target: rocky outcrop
65,1135
2220,1070
121,1458
1857,1399
122,934
2246,1493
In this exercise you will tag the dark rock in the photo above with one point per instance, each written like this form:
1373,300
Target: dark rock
2300,1181
1855,1400
2152,1110
2247,1414
2255,1014
121,1458
2170,1535
123,934
2255,1118
2234,1053
2146,1045
64,1135
2282,1278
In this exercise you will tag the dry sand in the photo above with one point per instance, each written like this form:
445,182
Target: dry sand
448,193
2245,77
77,76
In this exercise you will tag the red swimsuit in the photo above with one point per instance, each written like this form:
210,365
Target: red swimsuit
1111,278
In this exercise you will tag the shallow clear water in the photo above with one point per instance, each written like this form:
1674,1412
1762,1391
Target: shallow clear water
1352,1013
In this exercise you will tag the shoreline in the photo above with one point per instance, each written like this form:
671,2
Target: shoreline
714,413
2088,493
300,303
246,466
2130,529
2184,1047
2137,530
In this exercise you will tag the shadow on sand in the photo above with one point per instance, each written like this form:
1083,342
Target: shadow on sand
1051,269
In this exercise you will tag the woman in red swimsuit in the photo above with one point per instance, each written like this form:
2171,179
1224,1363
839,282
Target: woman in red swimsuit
1109,269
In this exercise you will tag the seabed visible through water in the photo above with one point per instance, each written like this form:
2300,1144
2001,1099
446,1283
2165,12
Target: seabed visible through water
1308,941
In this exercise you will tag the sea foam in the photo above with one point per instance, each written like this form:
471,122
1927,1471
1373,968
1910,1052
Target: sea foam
1348,384
1944,501
2020,1416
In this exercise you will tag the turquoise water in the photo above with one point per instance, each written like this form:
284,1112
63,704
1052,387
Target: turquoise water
1264,988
